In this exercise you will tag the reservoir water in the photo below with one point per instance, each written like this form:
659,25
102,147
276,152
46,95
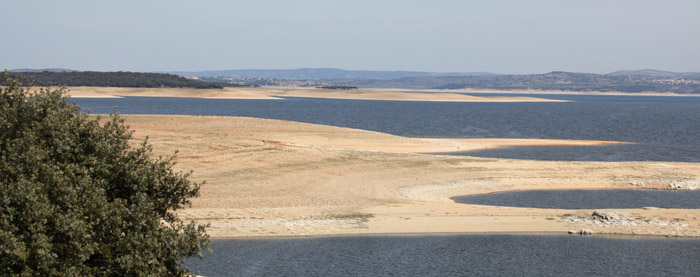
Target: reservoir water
451,255
587,199
665,128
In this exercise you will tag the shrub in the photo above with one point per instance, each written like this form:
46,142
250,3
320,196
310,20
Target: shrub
77,199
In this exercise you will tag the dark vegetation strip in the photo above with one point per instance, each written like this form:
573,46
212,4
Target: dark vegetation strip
111,79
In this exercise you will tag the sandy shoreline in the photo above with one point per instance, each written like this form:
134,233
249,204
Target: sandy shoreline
276,93
114,92
552,92
281,178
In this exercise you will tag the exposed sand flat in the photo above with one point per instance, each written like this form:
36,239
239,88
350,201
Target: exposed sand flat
281,178
534,91
403,96
275,93
228,93
464,145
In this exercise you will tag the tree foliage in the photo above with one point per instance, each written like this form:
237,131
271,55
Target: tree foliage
113,79
77,199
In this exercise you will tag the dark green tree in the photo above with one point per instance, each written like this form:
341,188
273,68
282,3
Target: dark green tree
77,198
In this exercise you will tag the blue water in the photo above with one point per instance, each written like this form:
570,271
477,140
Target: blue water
587,199
451,255
666,128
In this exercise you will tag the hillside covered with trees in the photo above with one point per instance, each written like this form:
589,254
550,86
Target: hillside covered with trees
111,79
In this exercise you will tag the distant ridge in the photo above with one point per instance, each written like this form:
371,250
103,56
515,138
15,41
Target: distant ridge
654,73
634,81
43,70
556,80
321,73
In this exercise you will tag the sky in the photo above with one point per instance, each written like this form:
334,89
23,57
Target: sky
506,36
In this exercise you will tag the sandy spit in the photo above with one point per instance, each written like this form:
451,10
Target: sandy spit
276,93
553,92
281,178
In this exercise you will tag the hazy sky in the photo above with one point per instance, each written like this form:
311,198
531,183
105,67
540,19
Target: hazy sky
533,36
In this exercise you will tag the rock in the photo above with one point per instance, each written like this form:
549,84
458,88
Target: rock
684,184
637,183
651,208
608,216
677,184
585,232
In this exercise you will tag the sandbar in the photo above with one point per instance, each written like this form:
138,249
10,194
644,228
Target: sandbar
267,93
553,92
281,178
228,93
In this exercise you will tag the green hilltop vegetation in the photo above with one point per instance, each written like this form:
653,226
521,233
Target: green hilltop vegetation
111,79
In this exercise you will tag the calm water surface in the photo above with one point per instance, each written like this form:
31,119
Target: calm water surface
451,255
666,128
587,199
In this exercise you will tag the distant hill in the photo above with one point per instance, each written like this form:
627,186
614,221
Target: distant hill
558,80
43,69
654,73
110,79
319,74
620,81
647,80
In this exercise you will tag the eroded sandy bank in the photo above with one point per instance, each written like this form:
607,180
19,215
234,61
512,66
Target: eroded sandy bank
281,178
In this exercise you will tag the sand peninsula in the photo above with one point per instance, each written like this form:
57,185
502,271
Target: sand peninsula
276,93
543,92
281,178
